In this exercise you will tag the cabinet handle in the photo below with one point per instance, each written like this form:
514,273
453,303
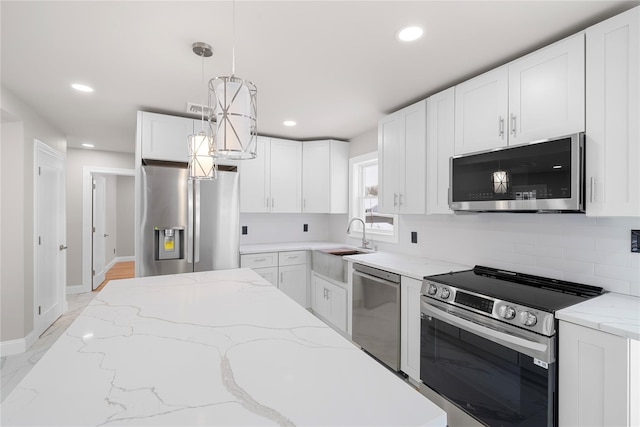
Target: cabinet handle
267,201
400,199
259,259
395,199
304,204
281,277
273,203
513,124
591,191
501,126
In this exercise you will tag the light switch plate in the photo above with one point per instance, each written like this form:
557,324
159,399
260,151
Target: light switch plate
635,241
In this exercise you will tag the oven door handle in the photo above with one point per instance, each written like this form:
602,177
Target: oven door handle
530,348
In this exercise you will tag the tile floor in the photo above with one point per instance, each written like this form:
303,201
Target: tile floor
15,367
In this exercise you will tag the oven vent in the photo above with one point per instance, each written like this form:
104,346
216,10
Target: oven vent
193,108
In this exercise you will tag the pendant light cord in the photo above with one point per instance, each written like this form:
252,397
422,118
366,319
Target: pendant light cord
204,89
233,38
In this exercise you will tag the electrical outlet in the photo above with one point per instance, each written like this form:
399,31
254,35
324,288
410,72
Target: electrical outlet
635,241
305,227
245,229
414,237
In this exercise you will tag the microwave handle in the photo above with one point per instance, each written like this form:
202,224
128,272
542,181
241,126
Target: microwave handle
533,349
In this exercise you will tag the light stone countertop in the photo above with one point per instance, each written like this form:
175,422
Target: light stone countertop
209,348
614,313
406,265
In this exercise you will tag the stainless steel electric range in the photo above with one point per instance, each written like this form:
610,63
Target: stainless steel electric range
489,342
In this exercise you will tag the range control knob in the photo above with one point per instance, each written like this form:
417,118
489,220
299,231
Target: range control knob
507,312
433,289
527,318
445,293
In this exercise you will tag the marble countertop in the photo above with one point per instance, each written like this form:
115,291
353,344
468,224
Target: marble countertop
614,313
405,265
209,348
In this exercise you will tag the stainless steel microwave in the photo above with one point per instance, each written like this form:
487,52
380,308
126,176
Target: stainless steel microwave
541,176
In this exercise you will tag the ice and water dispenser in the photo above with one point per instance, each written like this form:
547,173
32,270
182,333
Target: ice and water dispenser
169,243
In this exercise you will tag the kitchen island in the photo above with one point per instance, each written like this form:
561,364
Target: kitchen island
210,348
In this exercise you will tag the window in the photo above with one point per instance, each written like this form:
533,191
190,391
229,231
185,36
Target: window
364,200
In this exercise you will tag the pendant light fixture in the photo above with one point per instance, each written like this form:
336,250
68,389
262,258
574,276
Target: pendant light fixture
234,104
202,165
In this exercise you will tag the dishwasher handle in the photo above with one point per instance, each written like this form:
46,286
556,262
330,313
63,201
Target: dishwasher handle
387,276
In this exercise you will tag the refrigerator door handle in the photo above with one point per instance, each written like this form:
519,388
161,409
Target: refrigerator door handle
196,234
189,220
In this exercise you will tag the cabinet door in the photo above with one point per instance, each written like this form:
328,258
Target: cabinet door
270,274
412,175
293,282
319,303
316,180
286,176
389,154
546,92
165,137
337,298
440,142
593,377
612,127
410,327
254,180
481,112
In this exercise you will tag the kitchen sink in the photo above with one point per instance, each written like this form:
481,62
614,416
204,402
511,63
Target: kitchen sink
330,263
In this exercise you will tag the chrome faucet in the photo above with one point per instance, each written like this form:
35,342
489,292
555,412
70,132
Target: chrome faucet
365,242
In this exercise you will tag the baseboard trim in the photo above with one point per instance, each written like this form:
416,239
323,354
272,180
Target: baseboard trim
11,347
125,258
76,289
111,264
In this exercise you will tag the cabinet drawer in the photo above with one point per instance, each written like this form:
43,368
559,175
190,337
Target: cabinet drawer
269,259
292,258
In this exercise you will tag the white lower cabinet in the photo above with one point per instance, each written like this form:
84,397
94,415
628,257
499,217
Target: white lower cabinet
598,378
329,302
286,270
410,327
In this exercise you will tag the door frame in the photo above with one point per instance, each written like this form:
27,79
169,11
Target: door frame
39,146
99,184
87,208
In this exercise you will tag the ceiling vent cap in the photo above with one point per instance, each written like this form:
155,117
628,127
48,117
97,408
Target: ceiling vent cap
197,109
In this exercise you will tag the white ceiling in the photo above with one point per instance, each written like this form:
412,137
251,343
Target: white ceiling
333,66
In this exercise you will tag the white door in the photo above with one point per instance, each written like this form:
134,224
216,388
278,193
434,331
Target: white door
286,176
99,234
440,140
481,112
50,225
293,282
389,143
316,159
254,180
411,197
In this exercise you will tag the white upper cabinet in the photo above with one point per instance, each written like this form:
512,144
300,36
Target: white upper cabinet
164,137
440,147
255,188
272,181
402,158
286,176
481,112
613,129
325,176
546,92
540,95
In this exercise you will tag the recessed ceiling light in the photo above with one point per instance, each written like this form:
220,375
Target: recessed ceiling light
557,166
82,88
289,123
88,145
409,34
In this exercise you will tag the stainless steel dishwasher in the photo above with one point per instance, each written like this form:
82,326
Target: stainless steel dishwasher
376,313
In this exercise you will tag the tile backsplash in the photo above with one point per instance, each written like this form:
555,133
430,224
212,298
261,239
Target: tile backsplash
571,247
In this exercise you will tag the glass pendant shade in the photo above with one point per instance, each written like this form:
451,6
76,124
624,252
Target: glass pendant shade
201,163
235,110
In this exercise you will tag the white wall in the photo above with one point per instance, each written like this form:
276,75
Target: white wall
21,125
77,159
125,217
279,228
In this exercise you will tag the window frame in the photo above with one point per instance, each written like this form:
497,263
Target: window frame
355,164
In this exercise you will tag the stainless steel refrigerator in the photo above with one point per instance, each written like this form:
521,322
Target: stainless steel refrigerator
188,225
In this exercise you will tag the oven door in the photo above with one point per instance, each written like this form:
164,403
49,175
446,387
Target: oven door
499,374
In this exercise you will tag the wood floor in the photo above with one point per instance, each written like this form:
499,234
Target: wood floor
121,270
